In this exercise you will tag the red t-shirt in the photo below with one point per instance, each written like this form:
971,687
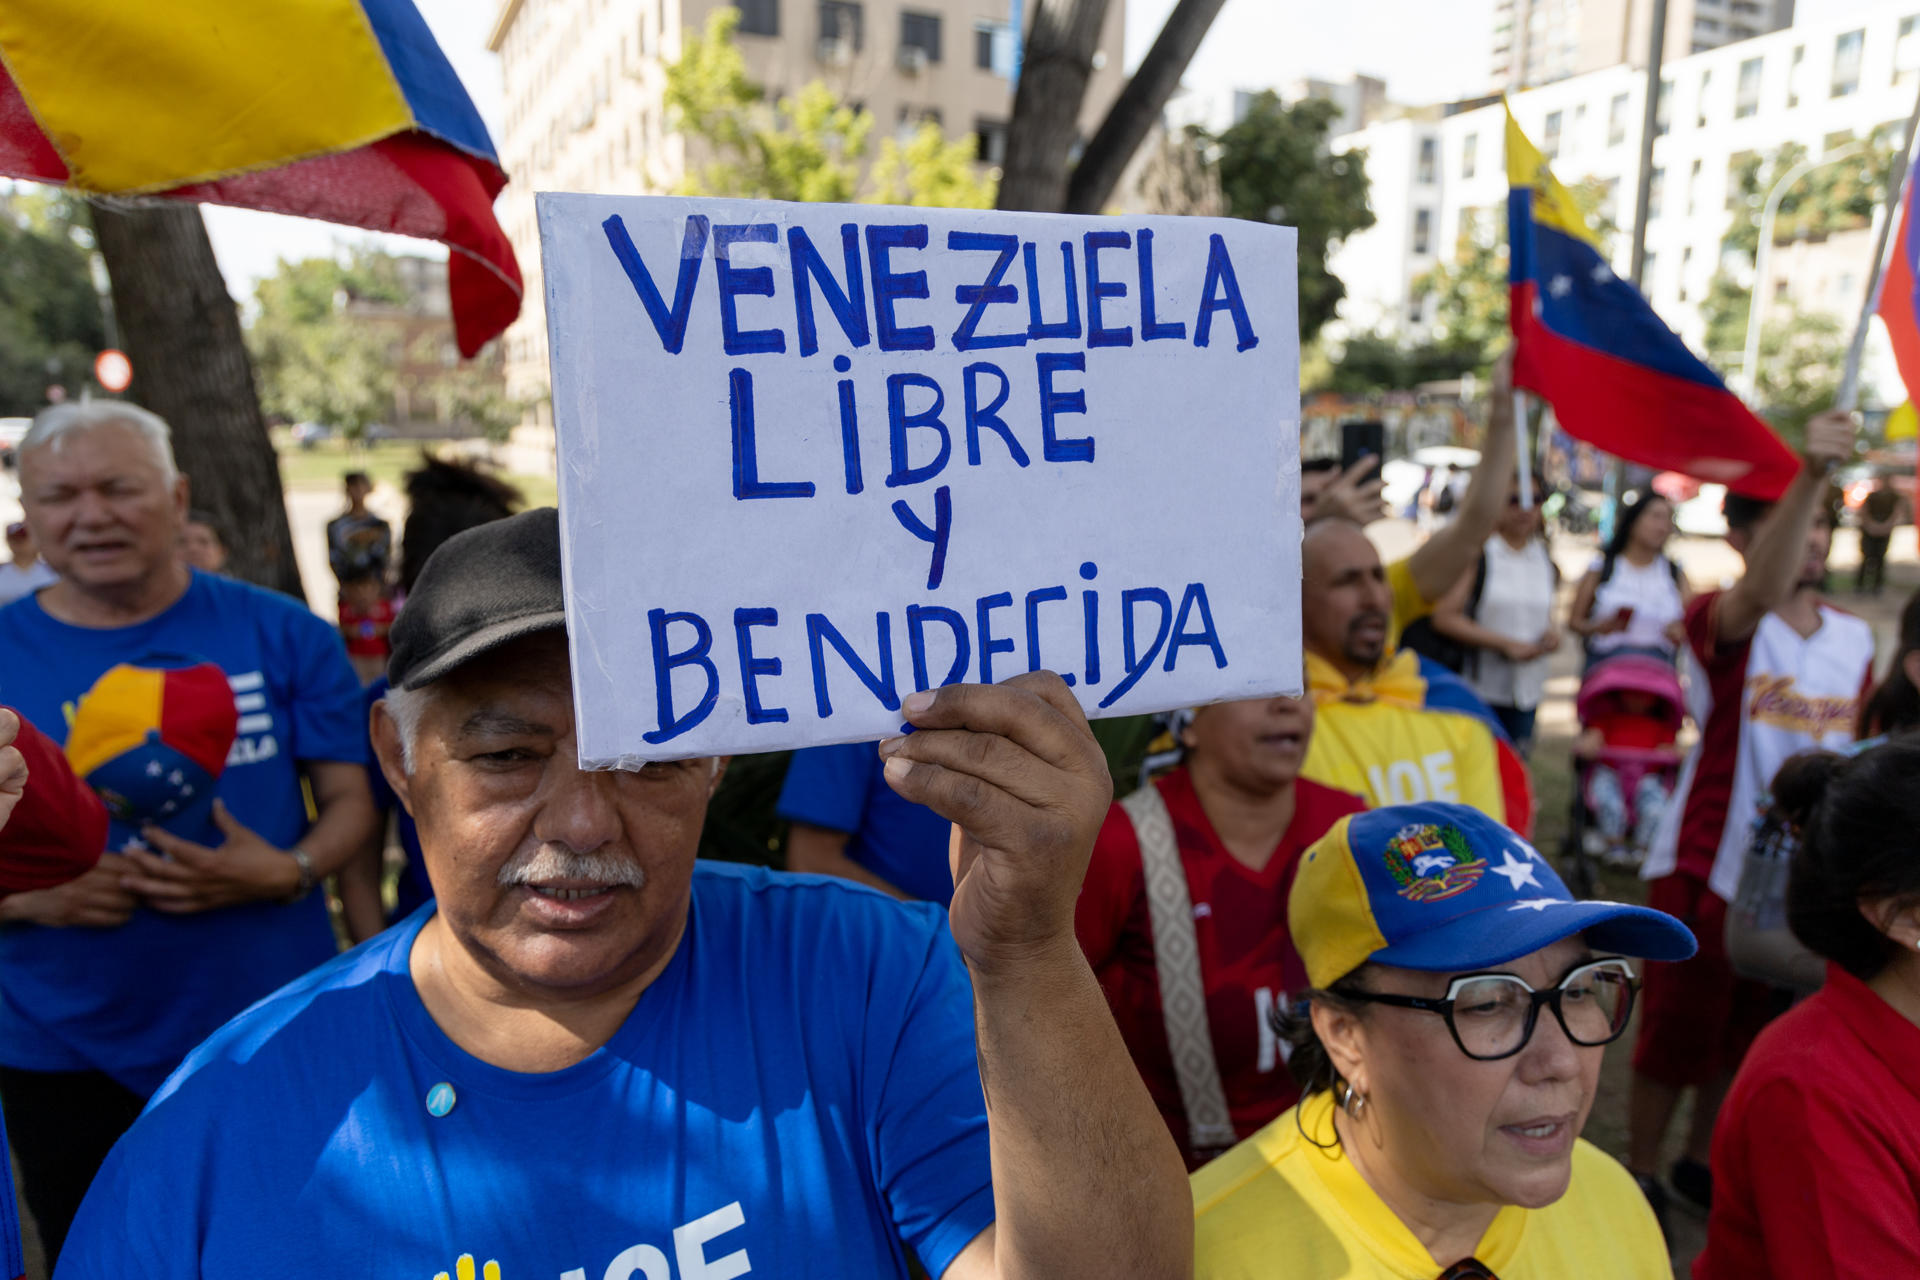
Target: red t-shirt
1816,1156
1247,960
366,633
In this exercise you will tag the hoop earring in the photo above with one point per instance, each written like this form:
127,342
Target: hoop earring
1354,1104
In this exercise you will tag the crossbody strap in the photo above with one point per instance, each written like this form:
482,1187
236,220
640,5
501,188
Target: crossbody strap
1176,958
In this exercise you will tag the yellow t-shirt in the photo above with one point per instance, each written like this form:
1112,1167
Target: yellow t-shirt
1408,603
1276,1205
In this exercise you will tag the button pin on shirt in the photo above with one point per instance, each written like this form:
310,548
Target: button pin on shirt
440,1099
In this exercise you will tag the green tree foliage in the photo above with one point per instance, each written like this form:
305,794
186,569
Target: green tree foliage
315,364
1275,167
51,324
1835,197
806,146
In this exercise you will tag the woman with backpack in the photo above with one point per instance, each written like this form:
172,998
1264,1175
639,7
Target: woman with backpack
1501,614
1634,597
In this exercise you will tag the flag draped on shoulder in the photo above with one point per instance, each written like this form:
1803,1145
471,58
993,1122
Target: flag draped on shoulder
1586,341
342,110
1900,297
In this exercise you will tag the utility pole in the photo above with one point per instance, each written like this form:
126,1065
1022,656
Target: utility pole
1642,201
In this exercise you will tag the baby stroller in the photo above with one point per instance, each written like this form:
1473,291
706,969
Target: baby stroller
1630,709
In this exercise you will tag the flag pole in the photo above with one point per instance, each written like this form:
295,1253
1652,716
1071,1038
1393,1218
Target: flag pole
1525,461
1883,246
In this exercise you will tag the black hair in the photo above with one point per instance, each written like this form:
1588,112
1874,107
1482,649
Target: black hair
1856,817
1628,517
1743,512
202,517
1894,704
448,498
355,477
1308,1061
1309,466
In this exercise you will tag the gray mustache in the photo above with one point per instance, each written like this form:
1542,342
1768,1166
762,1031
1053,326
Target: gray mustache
550,863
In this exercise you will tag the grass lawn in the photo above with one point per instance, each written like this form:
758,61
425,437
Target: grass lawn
321,466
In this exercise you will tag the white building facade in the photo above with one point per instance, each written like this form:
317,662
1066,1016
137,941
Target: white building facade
585,89
1818,84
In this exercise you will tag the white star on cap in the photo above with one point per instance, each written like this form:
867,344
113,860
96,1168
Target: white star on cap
153,769
1560,286
1534,904
1518,873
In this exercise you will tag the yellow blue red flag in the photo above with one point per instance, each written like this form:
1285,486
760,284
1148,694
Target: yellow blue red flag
1588,343
342,110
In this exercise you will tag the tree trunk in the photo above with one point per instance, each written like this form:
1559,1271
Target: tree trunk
1137,108
181,330
1054,69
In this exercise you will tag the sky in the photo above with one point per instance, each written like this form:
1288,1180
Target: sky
1426,51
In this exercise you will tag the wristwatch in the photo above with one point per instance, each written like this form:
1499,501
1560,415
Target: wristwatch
307,878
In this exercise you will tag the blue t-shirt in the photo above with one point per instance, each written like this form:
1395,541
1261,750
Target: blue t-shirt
413,889
130,1001
795,1094
843,789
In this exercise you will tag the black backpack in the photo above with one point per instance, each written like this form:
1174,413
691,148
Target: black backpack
1425,639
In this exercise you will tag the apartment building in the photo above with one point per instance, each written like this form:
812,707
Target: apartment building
585,85
1818,84
1536,42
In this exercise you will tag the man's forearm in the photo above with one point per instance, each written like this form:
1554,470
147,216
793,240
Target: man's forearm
1773,558
1087,1181
1438,564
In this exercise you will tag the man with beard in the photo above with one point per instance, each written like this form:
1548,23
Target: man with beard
1772,670
1399,728
591,1055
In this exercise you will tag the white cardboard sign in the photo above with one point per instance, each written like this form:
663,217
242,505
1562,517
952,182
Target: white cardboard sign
816,457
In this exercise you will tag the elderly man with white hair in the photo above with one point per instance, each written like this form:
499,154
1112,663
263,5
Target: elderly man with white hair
594,1056
108,981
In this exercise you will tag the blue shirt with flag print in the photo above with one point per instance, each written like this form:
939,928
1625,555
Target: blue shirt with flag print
131,1001
795,1095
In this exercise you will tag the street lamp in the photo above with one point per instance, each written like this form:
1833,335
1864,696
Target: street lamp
1749,374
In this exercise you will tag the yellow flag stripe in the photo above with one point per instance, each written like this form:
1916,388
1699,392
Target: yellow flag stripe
1553,204
247,85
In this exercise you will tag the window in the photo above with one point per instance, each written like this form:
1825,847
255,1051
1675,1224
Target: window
758,17
1646,275
1846,64
1617,120
1656,189
993,48
1469,154
1693,188
1686,260
1429,159
1746,98
1663,109
1550,137
1906,52
1423,231
1793,75
1700,107
990,141
843,31
919,37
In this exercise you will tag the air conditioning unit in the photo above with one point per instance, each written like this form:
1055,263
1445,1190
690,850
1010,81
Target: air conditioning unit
835,51
913,59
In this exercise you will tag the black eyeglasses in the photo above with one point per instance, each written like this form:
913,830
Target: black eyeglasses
1492,1015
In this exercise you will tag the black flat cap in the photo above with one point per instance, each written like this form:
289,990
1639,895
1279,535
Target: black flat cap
483,588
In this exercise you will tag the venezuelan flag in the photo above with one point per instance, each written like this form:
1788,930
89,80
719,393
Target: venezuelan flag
1616,375
342,110
1899,305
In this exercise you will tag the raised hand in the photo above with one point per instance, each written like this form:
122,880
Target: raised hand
1016,769
13,766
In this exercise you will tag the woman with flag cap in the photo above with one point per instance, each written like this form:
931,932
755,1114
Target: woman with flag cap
1450,1053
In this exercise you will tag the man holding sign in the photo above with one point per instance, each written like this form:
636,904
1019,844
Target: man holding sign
597,1057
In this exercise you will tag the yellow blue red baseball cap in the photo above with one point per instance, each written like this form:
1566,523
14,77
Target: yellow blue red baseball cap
1446,889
